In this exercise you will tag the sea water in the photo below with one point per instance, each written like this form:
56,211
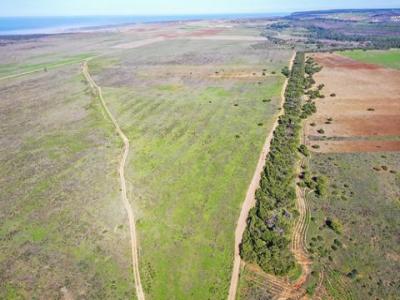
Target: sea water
48,25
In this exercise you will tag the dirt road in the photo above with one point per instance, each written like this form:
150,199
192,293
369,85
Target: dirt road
121,170
250,200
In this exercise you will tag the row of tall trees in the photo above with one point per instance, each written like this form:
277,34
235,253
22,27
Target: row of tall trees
269,226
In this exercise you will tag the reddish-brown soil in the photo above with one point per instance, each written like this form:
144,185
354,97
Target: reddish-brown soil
357,146
205,32
338,61
367,105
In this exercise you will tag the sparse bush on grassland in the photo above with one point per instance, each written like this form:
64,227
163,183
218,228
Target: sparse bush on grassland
303,150
334,224
322,186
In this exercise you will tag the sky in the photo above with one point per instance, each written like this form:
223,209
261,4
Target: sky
174,7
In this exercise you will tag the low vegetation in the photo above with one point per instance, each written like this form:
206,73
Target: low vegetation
352,234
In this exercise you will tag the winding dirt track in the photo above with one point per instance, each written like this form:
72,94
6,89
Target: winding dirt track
128,208
250,200
298,246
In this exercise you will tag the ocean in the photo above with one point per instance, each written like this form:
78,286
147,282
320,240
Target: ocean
48,25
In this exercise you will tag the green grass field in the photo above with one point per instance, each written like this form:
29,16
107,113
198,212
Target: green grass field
195,142
363,198
14,69
60,212
385,58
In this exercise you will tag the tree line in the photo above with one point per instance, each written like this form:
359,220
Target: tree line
269,225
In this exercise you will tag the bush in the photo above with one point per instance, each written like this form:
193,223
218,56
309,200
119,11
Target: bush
337,242
322,186
334,224
309,182
308,109
352,274
304,150
286,72
310,289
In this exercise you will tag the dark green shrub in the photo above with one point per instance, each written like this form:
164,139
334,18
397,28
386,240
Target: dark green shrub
352,274
322,186
286,72
334,224
304,150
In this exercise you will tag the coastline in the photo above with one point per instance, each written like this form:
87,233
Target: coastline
24,26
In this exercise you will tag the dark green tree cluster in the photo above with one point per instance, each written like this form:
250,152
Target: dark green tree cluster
267,236
309,108
376,36
312,67
285,71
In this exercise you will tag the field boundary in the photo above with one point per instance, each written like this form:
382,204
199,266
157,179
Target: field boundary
132,228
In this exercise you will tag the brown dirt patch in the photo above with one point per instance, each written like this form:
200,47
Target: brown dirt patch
205,32
359,126
338,61
367,104
357,146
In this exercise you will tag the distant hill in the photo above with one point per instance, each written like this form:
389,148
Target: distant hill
383,14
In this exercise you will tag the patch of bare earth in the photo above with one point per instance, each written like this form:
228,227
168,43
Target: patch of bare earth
206,32
358,146
361,108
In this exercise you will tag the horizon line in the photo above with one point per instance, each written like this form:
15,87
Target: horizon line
151,15
195,14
